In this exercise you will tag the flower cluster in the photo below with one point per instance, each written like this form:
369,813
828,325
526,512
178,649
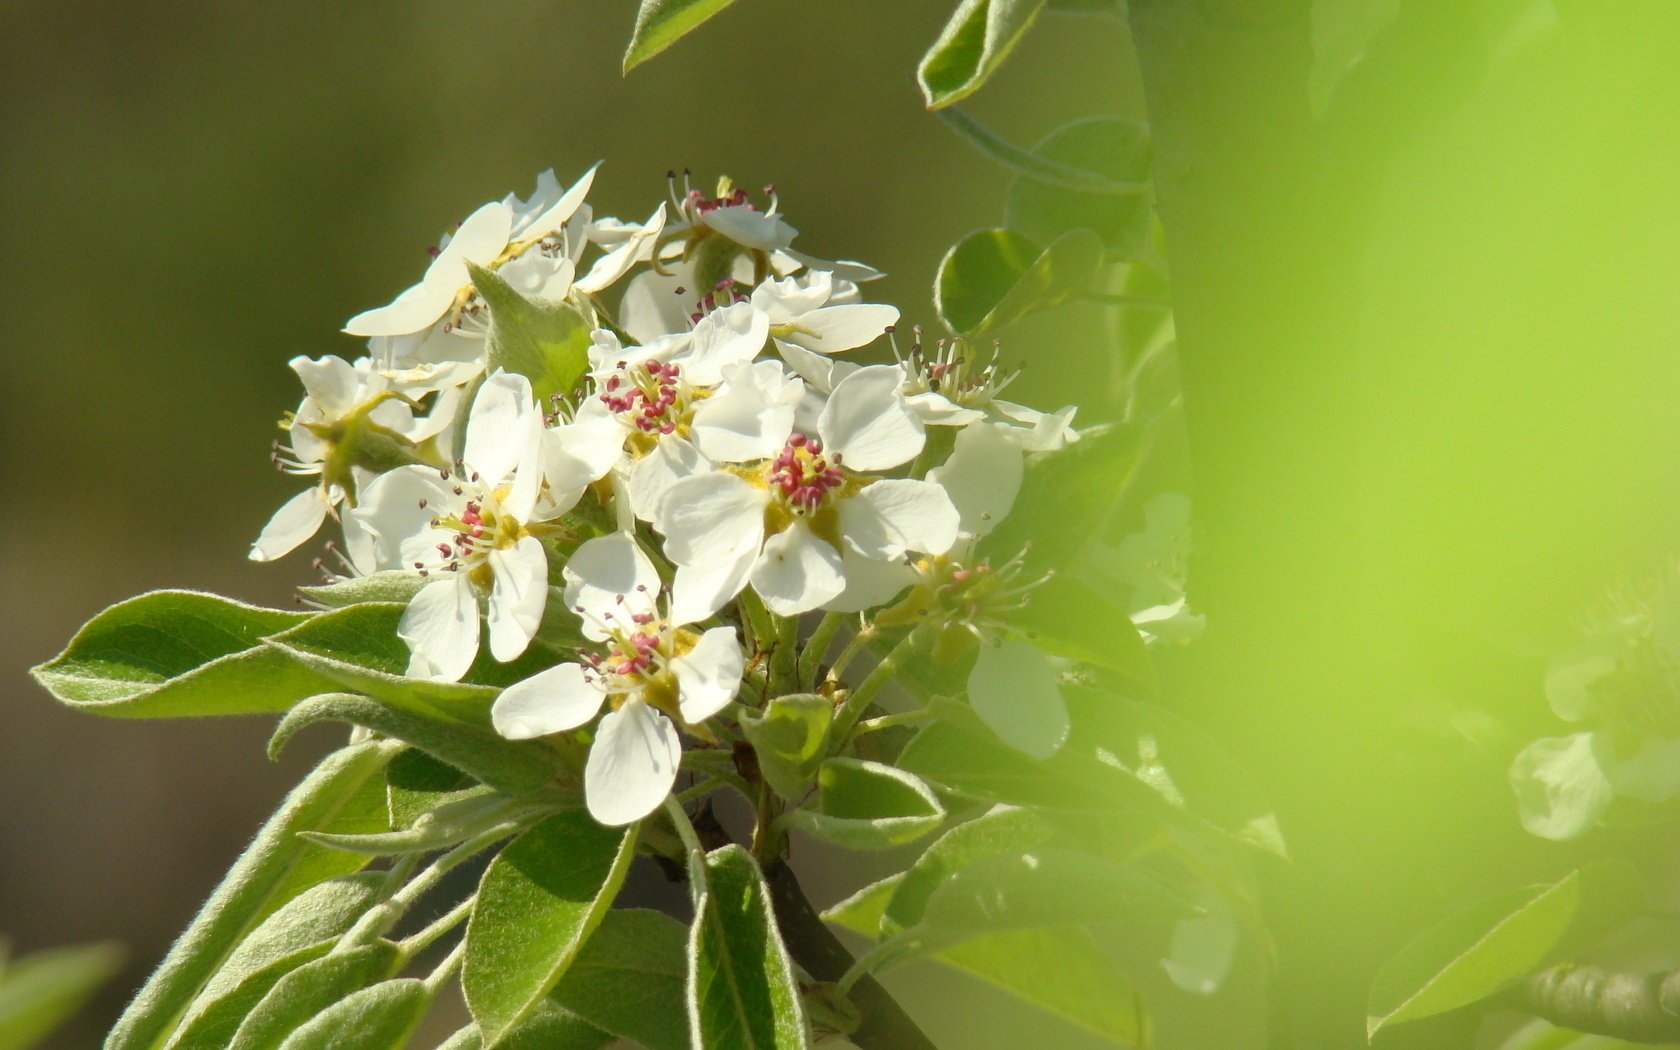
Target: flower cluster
722,456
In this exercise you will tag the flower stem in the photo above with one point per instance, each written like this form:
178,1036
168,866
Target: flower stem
858,702
446,969
784,659
382,916
757,619
816,647
905,718
862,638
691,843
409,947
1031,165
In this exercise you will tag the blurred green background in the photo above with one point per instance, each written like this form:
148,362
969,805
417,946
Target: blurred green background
1426,259
196,191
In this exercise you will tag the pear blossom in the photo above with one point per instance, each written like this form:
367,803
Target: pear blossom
799,516
498,233
476,528
820,313
652,672
351,417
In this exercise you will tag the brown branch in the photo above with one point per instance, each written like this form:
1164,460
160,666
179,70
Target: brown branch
885,1025
1637,1007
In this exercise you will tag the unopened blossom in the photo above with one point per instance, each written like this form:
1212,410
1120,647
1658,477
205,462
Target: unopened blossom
808,514
351,422
472,531
651,671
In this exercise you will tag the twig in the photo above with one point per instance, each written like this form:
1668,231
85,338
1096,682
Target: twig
1030,165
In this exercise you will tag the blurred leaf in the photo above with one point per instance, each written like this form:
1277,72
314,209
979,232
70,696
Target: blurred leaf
629,977
1067,617
546,342
1044,887
345,793
976,40
1056,968
1083,7
170,654
992,278
868,805
538,902
378,1018
39,992
1475,953
416,783
212,1026
1004,829
788,738
393,585
661,23
358,648
1114,147
741,990
309,990
1066,497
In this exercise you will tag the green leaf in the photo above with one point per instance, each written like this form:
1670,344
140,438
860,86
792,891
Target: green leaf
39,992
788,737
1044,887
539,901
1474,954
868,805
377,1018
1112,147
976,40
550,1027
741,990
445,826
416,784
1004,829
393,585
629,977
358,648
992,278
862,912
546,342
661,23
512,767
1066,617
345,793
170,654
309,990
1066,498
212,1025
319,913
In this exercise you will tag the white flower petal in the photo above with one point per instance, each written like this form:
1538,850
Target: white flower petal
790,298
818,370
1041,431
671,460
551,701
546,222
937,410
724,337
1013,690
480,239
1561,784
412,311
700,590
295,522
652,306
797,571
632,764
894,515
833,329
517,597
502,427
982,476
331,382
440,626
746,225
611,580
868,421
708,675
869,583
751,417
842,269
395,507
712,518
616,263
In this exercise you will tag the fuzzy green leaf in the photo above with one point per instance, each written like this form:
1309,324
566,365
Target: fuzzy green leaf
512,767
345,793
538,902
788,737
976,40
170,654
416,784
393,585
1112,147
661,23
212,1025
39,992
868,805
1065,499
546,342
378,1018
628,979
992,278
309,990
741,989
1004,829
550,1027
